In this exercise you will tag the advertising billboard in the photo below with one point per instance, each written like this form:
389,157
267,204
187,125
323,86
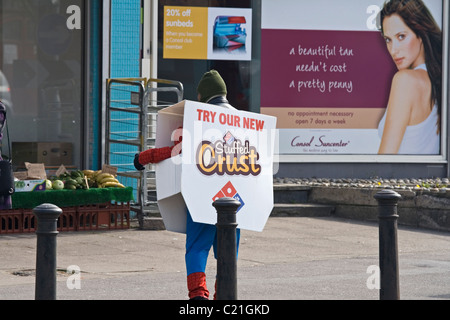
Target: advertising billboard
340,84
207,33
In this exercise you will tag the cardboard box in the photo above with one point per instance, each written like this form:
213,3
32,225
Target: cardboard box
34,171
225,153
168,172
29,185
48,153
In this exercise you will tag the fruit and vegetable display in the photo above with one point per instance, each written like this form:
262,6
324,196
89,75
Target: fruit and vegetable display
83,179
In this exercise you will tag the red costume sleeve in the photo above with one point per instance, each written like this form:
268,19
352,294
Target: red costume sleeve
158,154
155,155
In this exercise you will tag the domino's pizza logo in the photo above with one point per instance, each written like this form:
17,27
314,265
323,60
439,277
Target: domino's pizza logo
229,138
229,191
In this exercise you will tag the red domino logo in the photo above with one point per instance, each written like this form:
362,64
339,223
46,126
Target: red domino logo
229,191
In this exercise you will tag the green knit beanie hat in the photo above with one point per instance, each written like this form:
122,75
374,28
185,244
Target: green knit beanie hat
211,85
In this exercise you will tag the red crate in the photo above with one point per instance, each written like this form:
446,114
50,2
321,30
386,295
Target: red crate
11,221
29,221
87,217
67,221
118,215
105,216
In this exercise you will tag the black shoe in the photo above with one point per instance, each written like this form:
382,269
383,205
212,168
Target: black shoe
137,164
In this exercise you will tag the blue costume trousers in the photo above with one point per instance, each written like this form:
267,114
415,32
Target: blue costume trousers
199,239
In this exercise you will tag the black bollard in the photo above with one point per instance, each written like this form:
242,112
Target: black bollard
388,247
226,248
47,217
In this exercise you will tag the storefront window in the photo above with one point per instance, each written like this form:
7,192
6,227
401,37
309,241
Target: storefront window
41,71
237,73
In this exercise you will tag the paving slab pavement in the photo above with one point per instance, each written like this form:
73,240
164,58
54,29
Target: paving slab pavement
294,258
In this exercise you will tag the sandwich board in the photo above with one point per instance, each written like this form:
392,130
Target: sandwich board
224,153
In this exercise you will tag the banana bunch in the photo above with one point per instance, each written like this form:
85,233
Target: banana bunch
99,179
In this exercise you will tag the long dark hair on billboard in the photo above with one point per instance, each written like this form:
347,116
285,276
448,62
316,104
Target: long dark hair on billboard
419,19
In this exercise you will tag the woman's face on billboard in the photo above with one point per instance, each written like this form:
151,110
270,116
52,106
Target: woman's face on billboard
402,43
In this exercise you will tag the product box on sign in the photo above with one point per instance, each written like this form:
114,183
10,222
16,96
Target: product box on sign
29,185
225,153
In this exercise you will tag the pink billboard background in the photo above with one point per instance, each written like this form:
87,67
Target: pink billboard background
324,69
